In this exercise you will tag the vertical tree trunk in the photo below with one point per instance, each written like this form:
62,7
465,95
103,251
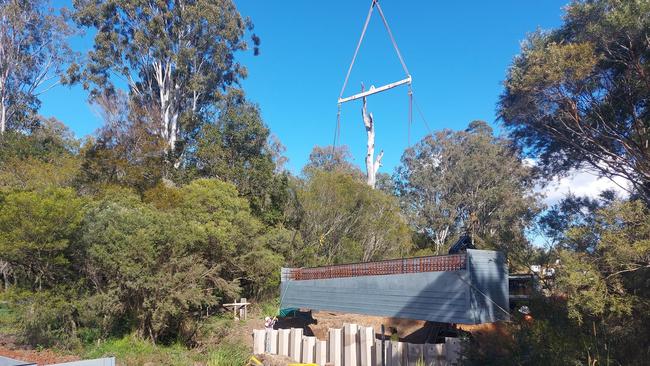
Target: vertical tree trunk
5,270
372,164
3,111
3,117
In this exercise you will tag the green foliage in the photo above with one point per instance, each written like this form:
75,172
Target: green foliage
577,96
331,158
606,283
132,350
603,281
178,60
573,211
468,182
341,219
34,52
36,232
48,318
43,158
549,339
160,273
598,308
236,149
8,315
229,354
125,154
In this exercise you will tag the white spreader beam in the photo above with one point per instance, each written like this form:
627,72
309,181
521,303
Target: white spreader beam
374,90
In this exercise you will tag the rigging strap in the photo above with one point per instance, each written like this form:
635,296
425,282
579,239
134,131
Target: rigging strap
363,34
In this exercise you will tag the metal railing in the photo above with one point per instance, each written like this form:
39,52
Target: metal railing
452,262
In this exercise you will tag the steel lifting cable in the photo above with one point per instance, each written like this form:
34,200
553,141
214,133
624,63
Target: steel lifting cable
484,295
354,57
392,39
356,51
410,120
363,34
424,120
347,76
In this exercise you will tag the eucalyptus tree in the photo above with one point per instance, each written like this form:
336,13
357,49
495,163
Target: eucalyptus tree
578,96
467,182
330,158
177,57
341,219
33,55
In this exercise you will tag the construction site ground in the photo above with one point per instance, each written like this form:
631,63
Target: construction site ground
407,330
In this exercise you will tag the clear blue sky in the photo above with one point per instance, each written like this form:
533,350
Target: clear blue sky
457,52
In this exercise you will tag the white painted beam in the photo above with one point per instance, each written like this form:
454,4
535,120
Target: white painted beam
372,90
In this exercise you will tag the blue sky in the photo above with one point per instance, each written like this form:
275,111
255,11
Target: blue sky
457,53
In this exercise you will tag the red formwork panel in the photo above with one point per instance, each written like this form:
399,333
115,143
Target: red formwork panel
440,263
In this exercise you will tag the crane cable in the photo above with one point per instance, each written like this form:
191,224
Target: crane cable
375,3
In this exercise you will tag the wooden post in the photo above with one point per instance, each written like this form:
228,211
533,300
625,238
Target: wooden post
335,347
308,348
321,353
295,344
366,344
350,352
283,342
243,309
259,336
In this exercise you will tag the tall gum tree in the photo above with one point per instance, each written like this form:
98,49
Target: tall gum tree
467,182
176,56
33,53
578,96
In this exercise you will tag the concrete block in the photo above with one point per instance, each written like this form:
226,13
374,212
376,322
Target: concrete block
415,354
389,353
452,350
321,353
351,345
434,354
366,345
308,349
271,341
283,342
259,337
335,347
295,344
398,353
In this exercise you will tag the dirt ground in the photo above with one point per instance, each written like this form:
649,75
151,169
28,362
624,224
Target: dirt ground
407,330
412,331
41,357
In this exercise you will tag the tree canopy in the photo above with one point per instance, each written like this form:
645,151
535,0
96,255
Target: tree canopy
467,182
177,57
577,96
342,219
33,55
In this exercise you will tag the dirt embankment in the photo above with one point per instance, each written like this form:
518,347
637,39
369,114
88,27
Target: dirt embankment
8,348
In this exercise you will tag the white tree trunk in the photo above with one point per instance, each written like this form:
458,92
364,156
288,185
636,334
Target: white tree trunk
3,104
5,270
3,116
168,107
372,164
